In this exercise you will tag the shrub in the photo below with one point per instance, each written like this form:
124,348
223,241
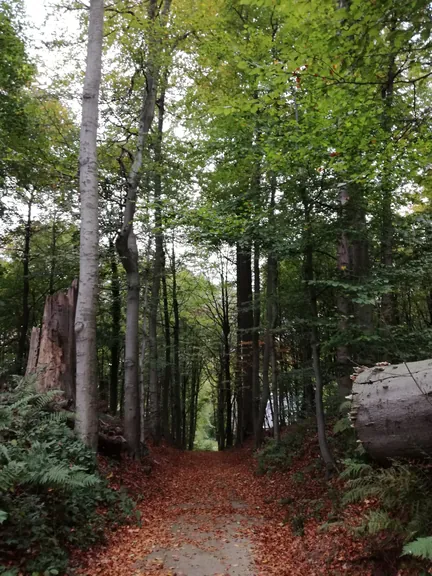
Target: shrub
278,455
51,493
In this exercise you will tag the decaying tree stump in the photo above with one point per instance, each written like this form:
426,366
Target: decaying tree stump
52,347
392,409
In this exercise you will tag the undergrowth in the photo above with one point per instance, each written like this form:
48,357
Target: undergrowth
52,497
279,455
403,495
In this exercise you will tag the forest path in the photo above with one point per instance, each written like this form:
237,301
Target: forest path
209,514
210,524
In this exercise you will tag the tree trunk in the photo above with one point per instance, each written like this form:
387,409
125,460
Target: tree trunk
226,373
392,410
268,345
126,241
342,301
245,426
53,255
154,392
256,338
177,415
128,251
86,422
168,368
314,343
33,355
221,403
115,330
144,338
24,324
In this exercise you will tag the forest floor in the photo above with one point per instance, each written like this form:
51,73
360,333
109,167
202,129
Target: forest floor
210,514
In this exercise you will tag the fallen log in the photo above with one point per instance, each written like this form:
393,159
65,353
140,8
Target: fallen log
391,409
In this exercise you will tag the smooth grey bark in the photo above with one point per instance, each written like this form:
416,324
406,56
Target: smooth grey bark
226,375
158,265
143,351
256,338
86,423
168,366
268,346
177,392
127,245
392,410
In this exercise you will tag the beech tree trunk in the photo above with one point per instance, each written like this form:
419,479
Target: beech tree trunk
256,338
177,392
52,347
245,424
392,410
158,265
226,374
168,366
268,346
86,422
126,240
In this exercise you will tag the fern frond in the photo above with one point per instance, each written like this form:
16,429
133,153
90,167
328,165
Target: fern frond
355,469
420,548
4,452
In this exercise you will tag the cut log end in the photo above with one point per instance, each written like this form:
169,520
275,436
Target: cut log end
392,410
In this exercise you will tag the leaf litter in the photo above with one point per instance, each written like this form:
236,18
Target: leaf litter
205,502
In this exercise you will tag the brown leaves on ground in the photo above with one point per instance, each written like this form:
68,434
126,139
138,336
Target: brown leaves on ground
211,486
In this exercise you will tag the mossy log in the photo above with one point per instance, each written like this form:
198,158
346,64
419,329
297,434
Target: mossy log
392,410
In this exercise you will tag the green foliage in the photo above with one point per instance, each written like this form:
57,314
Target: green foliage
402,491
50,489
421,548
279,455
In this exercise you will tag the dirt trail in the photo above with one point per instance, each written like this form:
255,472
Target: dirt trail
210,524
208,514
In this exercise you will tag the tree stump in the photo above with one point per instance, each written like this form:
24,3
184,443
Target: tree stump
52,347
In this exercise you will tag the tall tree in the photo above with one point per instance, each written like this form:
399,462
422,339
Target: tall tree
85,320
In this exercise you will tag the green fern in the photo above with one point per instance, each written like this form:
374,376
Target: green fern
401,491
355,469
420,548
50,491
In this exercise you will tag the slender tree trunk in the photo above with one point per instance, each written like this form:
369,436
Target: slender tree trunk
245,426
221,403
226,375
25,318
126,241
177,416
316,362
268,345
154,408
115,329
343,303
388,302
53,255
86,422
168,368
256,338
144,338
